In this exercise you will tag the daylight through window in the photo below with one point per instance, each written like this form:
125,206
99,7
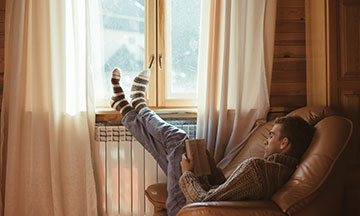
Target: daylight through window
134,31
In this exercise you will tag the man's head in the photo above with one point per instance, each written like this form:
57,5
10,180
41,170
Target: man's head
291,135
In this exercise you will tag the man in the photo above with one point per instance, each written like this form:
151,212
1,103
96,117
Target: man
256,178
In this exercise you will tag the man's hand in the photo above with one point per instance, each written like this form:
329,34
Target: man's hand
187,162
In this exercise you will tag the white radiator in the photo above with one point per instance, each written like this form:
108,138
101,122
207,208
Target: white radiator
124,170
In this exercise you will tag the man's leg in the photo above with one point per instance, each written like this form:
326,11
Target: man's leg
141,134
170,136
130,121
163,141
173,138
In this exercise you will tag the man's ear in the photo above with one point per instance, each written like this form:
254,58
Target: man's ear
285,144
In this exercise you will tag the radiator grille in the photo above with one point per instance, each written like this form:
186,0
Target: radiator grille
124,169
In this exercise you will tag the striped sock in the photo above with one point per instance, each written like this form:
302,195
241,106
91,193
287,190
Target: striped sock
119,101
138,90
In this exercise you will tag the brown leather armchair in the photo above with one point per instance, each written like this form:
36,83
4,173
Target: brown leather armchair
315,188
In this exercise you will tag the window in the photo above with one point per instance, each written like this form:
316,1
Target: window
135,31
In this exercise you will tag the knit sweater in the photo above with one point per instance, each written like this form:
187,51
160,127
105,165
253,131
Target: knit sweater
253,179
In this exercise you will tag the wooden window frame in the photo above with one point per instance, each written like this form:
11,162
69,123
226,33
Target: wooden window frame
164,45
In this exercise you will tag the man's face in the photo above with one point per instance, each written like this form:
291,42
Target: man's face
273,143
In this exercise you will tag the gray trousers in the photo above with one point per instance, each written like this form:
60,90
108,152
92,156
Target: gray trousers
165,143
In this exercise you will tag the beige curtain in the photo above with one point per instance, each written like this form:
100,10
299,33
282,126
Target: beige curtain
236,51
47,116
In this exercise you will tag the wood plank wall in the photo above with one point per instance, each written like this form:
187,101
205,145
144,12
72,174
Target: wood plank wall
2,50
288,86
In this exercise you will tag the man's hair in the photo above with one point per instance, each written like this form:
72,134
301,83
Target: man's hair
298,131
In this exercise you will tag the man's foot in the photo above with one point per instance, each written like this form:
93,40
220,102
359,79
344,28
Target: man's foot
119,101
138,90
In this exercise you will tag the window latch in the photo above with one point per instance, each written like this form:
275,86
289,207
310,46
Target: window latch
152,61
160,61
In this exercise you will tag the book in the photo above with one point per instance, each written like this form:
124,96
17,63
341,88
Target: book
201,163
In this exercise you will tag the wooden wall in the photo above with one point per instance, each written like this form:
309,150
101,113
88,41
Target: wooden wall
288,88
2,50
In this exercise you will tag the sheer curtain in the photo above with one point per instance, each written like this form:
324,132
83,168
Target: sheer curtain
236,51
47,116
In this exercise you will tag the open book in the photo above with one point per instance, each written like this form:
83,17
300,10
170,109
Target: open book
201,163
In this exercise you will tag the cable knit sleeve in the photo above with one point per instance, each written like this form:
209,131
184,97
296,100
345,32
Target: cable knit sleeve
191,187
243,183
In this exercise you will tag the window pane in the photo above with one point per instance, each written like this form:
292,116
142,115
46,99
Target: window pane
185,31
123,30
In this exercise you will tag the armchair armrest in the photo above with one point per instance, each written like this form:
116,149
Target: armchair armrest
157,195
228,208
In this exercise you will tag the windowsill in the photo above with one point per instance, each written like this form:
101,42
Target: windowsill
107,114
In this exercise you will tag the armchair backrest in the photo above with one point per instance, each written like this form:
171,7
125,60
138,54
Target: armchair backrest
330,139
254,146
